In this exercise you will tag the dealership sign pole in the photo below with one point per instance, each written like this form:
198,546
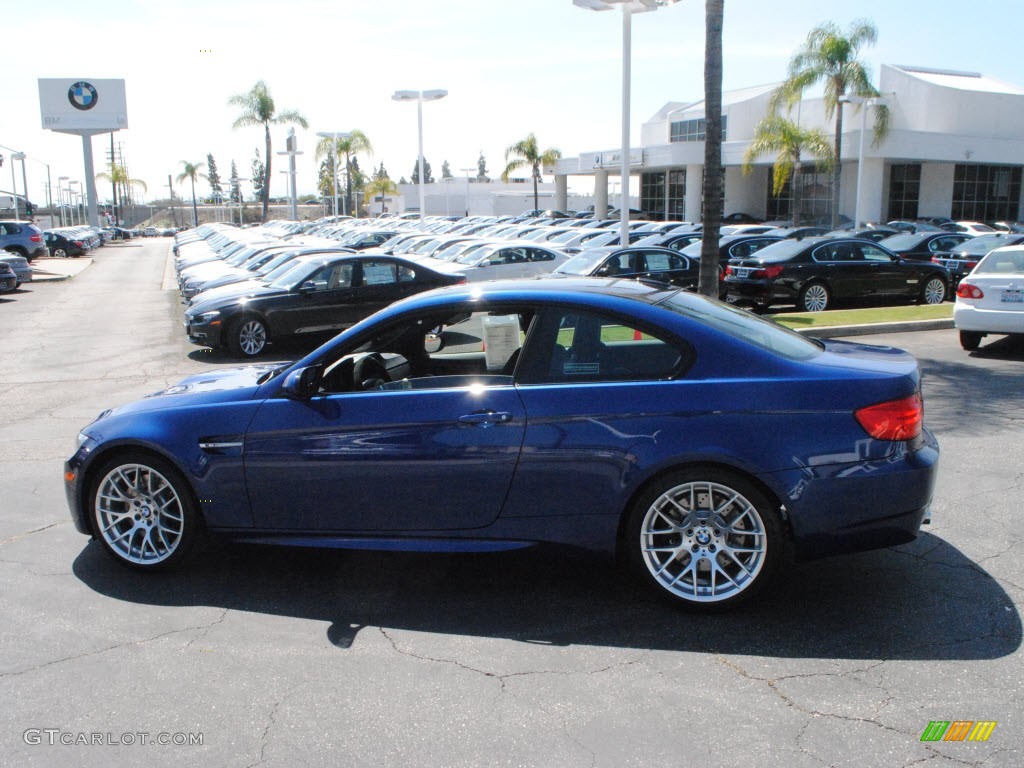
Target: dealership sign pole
84,108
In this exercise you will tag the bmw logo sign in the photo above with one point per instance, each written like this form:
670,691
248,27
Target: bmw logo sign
82,95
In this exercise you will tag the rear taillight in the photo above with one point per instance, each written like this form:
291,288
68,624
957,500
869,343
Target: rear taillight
894,419
728,271
968,291
36,238
768,273
77,244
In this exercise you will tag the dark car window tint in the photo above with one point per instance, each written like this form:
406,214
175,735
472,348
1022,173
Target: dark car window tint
587,347
535,254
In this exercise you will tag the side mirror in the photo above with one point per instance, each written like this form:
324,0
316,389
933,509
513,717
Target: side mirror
302,383
307,287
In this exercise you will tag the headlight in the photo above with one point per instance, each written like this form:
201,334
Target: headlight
82,437
206,318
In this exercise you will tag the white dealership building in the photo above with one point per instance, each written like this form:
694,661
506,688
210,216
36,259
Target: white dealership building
955,148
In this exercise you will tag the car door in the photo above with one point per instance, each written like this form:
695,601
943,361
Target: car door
668,266
326,302
840,264
887,274
424,453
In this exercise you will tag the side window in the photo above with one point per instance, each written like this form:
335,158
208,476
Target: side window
406,274
662,262
379,273
507,256
834,252
869,253
581,347
535,254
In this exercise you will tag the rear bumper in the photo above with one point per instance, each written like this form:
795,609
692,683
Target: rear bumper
970,318
860,506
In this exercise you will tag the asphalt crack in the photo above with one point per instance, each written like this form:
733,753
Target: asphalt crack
115,647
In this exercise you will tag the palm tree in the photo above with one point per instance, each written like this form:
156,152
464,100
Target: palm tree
192,171
707,282
787,140
830,57
258,109
120,180
383,186
355,144
526,153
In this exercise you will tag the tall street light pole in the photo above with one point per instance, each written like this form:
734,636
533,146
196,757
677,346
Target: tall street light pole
336,136
60,197
468,171
419,97
629,7
865,104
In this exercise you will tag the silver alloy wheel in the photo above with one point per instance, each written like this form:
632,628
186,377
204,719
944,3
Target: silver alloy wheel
815,297
139,514
934,291
703,541
252,337
59,253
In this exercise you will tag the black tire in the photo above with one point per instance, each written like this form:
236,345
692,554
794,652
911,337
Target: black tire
814,297
143,512
60,253
934,291
970,340
248,336
692,558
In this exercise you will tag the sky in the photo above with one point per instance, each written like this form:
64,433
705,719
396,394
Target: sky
511,67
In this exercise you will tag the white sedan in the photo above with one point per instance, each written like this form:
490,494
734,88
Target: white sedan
991,298
507,259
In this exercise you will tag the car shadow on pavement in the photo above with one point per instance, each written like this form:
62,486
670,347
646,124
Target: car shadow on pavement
981,396
924,600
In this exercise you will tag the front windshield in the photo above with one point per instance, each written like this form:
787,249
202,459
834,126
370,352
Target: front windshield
277,261
582,263
423,248
477,255
294,276
453,251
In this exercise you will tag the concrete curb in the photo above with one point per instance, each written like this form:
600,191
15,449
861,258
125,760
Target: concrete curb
833,331
56,270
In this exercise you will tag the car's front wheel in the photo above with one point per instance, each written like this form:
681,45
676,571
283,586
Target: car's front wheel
933,291
705,538
142,511
248,336
970,340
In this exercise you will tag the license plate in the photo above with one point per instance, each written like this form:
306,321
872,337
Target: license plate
741,271
1013,297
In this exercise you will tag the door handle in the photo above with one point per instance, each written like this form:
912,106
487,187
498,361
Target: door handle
486,418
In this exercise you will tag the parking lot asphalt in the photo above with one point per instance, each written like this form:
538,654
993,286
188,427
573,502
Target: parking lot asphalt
282,657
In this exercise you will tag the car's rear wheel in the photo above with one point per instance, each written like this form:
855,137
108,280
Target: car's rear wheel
248,336
60,253
933,291
970,340
814,297
143,512
704,538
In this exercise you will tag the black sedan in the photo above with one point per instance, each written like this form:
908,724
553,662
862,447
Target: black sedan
923,246
817,272
660,264
965,257
64,244
8,280
319,297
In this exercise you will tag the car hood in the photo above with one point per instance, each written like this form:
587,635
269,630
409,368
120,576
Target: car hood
250,292
215,386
